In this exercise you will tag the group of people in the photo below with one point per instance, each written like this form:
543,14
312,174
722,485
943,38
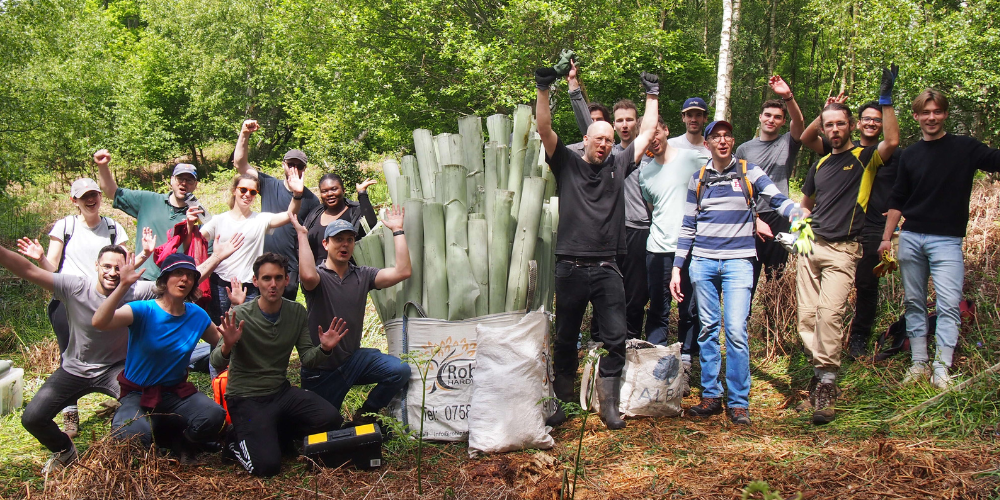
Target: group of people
128,323
649,219
697,219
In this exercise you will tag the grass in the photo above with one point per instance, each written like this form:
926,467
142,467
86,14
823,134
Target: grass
949,450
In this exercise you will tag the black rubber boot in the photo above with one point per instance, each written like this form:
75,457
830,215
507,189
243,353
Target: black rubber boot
562,385
607,394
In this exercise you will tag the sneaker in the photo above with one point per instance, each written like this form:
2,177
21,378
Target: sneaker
940,378
60,460
918,372
71,423
707,407
739,416
823,404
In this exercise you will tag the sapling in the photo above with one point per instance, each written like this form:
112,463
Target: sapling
422,360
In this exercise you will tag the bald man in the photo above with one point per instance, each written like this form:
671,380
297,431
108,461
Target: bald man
591,234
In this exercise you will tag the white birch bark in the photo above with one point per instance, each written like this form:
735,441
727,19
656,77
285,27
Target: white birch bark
723,86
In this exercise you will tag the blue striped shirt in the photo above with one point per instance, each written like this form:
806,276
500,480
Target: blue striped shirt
724,227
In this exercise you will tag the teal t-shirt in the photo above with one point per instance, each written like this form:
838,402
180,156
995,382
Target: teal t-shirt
665,187
152,210
160,344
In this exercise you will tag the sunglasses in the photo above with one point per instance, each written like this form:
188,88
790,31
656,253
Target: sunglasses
296,165
243,190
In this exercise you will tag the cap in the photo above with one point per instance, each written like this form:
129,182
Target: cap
296,154
338,226
83,186
177,261
694,103
717,123
185,168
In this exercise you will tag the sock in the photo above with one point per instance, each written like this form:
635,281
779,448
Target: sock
69,409
686,359
828,377
918,349
944,356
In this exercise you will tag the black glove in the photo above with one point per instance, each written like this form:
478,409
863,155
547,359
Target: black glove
563,66
888,81
651,82
544,78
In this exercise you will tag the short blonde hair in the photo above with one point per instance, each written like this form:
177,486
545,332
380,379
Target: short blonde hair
929,95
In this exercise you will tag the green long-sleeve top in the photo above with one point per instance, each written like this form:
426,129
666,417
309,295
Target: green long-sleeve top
258,363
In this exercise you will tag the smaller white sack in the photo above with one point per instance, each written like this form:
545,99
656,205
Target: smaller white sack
506,413
651,382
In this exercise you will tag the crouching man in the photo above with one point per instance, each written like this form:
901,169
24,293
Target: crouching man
258,337
338,288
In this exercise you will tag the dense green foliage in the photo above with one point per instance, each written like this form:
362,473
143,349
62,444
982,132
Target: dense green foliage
153,81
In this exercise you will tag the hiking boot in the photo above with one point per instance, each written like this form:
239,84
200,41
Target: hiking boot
60,460
940,378
686,380
857,347
608,395
739,416
823,404
71,423
706,408
562,386
918,372
809,403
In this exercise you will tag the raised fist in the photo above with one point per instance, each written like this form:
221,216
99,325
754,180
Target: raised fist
651,82
544,78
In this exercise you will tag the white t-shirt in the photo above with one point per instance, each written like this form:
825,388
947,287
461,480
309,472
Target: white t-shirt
240,263
682,142
80,255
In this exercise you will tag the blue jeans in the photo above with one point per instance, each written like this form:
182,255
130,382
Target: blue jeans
220,300
940,257
732,280
365,366
197,416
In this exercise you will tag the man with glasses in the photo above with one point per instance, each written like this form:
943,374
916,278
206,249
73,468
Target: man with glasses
865,281
932,192
775,153
275,196
157,211
837,190
591,229
716,235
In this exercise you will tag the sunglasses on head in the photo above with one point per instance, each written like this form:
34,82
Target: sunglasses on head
243,190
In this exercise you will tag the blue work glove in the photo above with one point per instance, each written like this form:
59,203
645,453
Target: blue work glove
544,78
888,81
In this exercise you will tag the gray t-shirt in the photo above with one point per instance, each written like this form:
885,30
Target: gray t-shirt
340,298
90,352
776,158
636,213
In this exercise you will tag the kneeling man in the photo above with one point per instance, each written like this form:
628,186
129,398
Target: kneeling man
338,288
258,337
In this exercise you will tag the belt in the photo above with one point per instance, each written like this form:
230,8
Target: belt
588,261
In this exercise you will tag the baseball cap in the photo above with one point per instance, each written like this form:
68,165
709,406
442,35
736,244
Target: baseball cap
83,186
717,123
338,226
694,103
177,261
185,168
296,154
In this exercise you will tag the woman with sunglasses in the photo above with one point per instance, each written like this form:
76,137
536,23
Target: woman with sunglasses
336,206
236,272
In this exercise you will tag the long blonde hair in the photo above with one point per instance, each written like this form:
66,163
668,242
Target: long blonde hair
236,184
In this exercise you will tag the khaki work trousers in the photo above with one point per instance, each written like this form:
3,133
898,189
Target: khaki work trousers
823,282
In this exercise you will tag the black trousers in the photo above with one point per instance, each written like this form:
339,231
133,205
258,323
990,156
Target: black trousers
260,423
60,389
866,284
60,326
576,286
633,267
660,267
771,256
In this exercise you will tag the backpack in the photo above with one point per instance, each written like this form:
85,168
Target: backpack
745,186
219,384
68,233
894,340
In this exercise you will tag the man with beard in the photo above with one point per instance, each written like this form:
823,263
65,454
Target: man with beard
837,190
694,115
591,223
932,192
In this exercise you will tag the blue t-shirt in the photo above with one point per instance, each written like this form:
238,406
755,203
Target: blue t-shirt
160,344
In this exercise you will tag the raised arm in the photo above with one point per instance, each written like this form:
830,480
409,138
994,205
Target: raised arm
33,250
650,116
810,137
297,185
367,210
543,115
241,156
107,317
795,124
890,125
580,109
308,274
24,269
392,275
108,185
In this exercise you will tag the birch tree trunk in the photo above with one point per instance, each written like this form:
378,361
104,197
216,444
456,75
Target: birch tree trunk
724,83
